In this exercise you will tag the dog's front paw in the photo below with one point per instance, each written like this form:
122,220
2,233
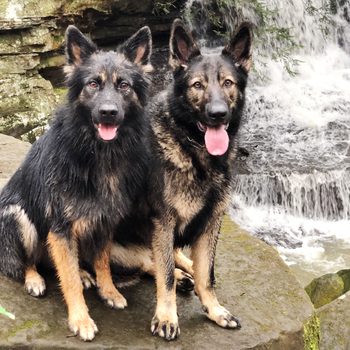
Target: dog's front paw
165,328
113,298
222,317
84,327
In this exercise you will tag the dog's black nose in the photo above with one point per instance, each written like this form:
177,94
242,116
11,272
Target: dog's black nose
217,111
108,110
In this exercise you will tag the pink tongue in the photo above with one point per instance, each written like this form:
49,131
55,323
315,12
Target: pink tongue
107,132
216,140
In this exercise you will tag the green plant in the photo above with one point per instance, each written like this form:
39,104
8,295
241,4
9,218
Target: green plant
3,311
163,7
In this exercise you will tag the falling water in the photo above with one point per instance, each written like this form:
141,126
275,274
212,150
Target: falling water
294,190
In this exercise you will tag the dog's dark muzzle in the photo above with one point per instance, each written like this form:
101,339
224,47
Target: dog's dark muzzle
217,113
110,114
107,120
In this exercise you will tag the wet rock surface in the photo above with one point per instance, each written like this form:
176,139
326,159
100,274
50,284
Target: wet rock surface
12,152
252,282
335,324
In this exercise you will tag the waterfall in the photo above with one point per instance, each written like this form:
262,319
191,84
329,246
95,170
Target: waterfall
315,196
295,183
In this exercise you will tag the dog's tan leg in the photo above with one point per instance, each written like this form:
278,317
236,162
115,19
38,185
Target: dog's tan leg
107,291
65,258
165,320
203,254
34,283
183,262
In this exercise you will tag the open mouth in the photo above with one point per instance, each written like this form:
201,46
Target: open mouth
107,132
216,138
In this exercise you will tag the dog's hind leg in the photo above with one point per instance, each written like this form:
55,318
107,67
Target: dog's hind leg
203,253
141,258
19,245
184,281
104,282
87,280
183,262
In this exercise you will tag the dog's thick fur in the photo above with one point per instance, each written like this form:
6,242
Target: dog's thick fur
81,177
194,140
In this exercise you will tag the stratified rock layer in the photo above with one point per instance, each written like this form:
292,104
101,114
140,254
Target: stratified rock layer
32,56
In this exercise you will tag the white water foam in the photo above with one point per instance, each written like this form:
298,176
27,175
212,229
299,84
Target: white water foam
297,132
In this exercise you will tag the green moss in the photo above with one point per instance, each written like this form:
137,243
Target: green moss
54,61
312,334
345,276
325,289
28,324
163,7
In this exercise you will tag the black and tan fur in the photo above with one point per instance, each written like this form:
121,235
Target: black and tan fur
193,186
82,176
188,189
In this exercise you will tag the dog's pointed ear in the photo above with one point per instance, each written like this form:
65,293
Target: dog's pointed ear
182,46
138,48
240,47
78,46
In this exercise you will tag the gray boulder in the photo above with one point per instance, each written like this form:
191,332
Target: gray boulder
252,281
335,324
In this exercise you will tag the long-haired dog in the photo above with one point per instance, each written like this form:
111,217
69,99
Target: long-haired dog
195,124
193,147
81,177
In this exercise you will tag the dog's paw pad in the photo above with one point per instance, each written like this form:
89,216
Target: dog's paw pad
86,279
35,286
165,329
85,328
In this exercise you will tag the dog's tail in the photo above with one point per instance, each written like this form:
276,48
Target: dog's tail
15,228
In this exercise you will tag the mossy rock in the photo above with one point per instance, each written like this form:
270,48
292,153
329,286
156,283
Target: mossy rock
325,289
27,101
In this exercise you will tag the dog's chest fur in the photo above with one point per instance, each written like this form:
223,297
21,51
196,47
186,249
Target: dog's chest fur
191,182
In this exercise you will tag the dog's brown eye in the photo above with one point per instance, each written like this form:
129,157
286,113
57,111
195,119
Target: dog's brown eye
198,85
228,83
123,85
93,84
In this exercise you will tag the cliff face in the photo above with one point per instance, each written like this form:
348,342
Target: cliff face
32,55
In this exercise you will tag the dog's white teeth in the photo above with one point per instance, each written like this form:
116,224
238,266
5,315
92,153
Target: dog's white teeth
201,127
227,125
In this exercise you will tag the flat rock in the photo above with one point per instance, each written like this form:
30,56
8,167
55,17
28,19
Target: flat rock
335,324
252,281
12,152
